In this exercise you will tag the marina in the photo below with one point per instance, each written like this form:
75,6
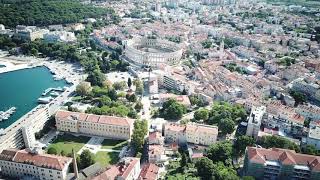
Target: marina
4,115
22,88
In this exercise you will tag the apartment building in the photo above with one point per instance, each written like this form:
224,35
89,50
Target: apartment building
21,164
281,164
126,169
105,126
30,33
191,133
254,121
313,137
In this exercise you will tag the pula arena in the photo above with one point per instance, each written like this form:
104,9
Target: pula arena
152,52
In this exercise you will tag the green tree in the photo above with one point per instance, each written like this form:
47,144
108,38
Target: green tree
201,114
173,110
310,149
86,159
299,97
83,89
139,132
278,142
120,85
132,98
205,168
96,77
226,126
248,178
139,86
129,82
138,106
241,143
222,172
52,150
221,151
62,153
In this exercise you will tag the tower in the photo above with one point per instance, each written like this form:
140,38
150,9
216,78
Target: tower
75,166
221,50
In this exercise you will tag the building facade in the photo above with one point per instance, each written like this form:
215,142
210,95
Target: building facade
191,133
22,164
152,52
105,126
281,164
254,121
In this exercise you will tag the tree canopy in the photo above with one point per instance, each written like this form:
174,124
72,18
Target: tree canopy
139,132
172,110
221,151
278,142
42,13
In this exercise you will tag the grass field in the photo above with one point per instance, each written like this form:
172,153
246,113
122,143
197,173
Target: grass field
113,144
66,142
106,158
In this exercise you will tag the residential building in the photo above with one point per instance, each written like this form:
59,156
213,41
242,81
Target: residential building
105,126
313,137
28,136
155,138
254,120
30,33
60,36
126,169
156,154
20,164
191,133
149,172
281,164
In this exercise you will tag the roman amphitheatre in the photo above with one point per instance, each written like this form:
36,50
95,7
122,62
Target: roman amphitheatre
152,52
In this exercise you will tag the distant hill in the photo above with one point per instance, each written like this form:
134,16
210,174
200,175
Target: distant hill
46,12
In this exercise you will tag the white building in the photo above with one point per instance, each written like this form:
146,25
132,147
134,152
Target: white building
30,33
105,126
28,136
20,163
60,36
313,137
191,133
254,121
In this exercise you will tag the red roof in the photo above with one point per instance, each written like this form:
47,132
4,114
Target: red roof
68,115
123,169
40,160
149,172
284,156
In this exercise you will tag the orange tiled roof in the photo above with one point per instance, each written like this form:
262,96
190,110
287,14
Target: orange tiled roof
39,160
68,115
284,156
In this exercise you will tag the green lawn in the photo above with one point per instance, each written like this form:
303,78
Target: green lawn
66,142
106,158
113,144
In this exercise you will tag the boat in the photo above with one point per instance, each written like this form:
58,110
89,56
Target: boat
45,100
4,115
47,91
54,94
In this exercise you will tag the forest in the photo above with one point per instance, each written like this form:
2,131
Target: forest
42,13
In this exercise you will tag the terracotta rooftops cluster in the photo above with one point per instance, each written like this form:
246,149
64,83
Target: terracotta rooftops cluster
68,115
283,156
40,160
